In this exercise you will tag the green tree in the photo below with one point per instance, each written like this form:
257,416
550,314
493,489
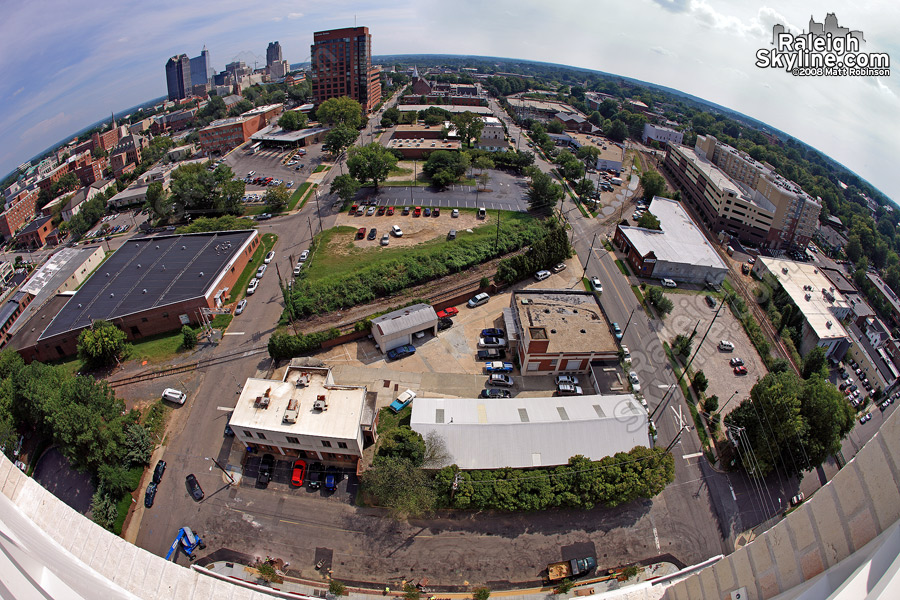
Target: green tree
403,443
372,162
443,179
481,593
700,382
340,111
292,120
157,200
102,344
399,485
277,197
114,480
682,345
411,592
564,587
815,364
618,131
608,108
345,186
584,188
469,126
711,404
337,588
339,139
653,184
188,337
103,510
649,221
196,190
138,445
853,249
555,127
543,193
454,163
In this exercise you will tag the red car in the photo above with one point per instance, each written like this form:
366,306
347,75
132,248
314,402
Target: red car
742,370
390,210
353,208
450,311
299,472
417,212
361,233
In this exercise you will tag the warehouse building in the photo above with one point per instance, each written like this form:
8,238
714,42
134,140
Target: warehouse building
150,286
531,432
678,251
398,327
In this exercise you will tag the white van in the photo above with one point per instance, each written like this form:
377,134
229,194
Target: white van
478,300
173,395
542,275
726,346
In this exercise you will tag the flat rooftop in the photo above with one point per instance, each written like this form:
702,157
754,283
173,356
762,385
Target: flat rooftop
425,144
571,321
274,133
148,273
226,121
800,280
478,110
679,241
531,432
885,289
541,105
722,181
264,402
609,150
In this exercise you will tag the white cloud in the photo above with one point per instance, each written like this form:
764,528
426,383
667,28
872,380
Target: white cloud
49,124
295,15
662,51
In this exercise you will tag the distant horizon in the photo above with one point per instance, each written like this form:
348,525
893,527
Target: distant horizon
383,57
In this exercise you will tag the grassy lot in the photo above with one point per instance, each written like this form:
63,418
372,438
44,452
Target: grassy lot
221,321
332,262
158,347
623,268
307,196
240,286
321,168
297,195
388,420
134,481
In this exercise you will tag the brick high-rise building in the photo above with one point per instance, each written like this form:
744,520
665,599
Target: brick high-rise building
341,62
178,77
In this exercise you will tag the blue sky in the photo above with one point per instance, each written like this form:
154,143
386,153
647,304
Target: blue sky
67,64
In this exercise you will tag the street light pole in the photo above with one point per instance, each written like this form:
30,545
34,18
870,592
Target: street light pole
727,401
590,253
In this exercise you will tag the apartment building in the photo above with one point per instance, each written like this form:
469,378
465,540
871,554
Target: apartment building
493,136
22,209
341,65
663,135
225,134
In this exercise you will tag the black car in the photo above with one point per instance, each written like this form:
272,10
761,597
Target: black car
491,354
709,301
266,465
158,471
149,495
314,475
372,233
193,487
445,323
494,393
228,430
405,211
493,332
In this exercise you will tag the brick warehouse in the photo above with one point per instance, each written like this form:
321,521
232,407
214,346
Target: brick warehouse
150,286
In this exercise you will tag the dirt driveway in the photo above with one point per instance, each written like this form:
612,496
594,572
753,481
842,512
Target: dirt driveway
691,308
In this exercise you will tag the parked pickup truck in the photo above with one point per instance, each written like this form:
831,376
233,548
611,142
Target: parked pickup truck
571,568
402,401
498,366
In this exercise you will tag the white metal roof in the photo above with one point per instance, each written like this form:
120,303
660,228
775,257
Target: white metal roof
531,432
410,319
679,241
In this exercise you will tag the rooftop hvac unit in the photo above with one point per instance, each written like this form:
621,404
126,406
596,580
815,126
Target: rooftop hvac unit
828,324
320,403
262,401
290,414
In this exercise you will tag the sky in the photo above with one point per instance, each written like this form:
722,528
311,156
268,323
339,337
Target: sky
68,64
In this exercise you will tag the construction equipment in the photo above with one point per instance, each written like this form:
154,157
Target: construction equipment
188,541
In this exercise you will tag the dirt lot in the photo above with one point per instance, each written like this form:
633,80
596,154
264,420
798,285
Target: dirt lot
691,308
415,229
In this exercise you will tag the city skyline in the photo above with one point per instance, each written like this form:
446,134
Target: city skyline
702,48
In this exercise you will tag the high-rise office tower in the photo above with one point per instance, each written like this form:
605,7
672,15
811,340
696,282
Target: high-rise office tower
273,53
342,66
201,69
178,76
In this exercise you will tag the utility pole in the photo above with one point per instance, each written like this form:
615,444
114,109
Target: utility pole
497,238
318,210
308,220
628,322
590,253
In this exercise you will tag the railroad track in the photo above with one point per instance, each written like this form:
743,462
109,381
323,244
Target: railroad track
191,366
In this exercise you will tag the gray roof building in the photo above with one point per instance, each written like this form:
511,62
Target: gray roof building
396,328
531,432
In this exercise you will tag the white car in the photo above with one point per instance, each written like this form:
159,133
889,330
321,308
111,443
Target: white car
240,307
261,271
596,285
269,257
455,213
635,382
385,240
173,395
251,287
541,275
626,354
395,229
297,269
303,256
570,379
669,283
371,211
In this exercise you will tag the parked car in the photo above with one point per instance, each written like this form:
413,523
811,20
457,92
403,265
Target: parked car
193,487
451,235
478,300
314,476
493,393
710,301
569,379
567,389
427,211
635,382
240,307
158,471
402,401
390,211
617,331
405,211
596,285
331,479
370,211
491,354
173,395
251,287
261,271
491,342
361,233
542,275
372,234
266,465
742,370
669,283
454,213
726,346
626,354
269,257
395,229
736,362
303,256
493,332
149,495
298,473
229,432
500,379
417,211
797,499
401,351
445,323
498,367
559,268
450,311
381,210
385,239
865,418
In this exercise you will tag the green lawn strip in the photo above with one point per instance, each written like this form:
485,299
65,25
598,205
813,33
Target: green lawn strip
399,171
321,168
728,287
124,504
586,283
240,286
221,321
307,196
638,295
333,264
623,268
607,246
298,193
157,347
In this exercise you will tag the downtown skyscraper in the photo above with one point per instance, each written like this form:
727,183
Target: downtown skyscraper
342,66
178,77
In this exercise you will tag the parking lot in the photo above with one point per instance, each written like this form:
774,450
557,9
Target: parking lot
115,224
416,230
691,308
268,163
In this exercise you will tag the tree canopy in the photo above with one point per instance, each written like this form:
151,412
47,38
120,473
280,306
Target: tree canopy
469,126
340,111
339,138
345,186
372,162
653,184
195,190
292,120
102,344
543,193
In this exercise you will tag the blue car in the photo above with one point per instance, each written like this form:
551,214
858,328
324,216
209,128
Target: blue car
331,480
617,331
498,367
401,351
402,401
493,332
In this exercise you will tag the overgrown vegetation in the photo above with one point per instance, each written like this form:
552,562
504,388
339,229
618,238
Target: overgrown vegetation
545,252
